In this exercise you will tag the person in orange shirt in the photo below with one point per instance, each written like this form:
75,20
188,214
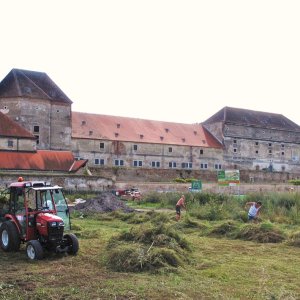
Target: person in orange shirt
180,204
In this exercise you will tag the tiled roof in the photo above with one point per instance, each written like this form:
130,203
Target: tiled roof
239,116
31,84
10,128
42,160
106,127
77,164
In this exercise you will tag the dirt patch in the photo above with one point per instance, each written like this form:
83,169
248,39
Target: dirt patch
105,202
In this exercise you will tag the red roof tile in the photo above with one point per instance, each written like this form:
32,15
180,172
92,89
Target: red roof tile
42,160
77,164
10,128
105,127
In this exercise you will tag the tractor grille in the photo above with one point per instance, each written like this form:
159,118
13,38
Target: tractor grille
55,233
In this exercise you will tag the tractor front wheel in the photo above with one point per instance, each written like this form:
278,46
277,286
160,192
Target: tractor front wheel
34,250
72,243
9,237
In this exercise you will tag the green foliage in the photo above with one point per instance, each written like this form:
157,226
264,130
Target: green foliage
184,180
295,181
179,180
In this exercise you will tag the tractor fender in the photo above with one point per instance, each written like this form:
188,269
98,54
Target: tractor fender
12,218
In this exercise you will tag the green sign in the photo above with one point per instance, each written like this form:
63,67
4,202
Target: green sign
196,186
228,177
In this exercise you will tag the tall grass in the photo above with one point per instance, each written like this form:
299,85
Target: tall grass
277,207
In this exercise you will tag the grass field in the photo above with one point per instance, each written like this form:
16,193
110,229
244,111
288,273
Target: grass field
217,265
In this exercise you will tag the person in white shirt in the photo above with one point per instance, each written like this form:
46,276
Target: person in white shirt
254,210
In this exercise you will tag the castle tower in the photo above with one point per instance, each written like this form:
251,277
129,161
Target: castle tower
37,104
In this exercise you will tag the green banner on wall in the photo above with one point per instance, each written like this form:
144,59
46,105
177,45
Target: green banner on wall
228,177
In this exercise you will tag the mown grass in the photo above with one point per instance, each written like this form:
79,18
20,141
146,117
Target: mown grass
219,255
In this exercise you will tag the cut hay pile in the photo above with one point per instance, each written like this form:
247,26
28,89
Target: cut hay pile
105,202
295,240
262,233
147,248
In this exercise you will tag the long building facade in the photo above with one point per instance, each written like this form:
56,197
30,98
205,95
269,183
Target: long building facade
233,138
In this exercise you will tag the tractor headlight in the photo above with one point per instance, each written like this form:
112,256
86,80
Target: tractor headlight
61,224
53,224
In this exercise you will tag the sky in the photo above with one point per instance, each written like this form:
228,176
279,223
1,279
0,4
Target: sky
166,60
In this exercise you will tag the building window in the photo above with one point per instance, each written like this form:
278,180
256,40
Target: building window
37,139
201,151
99,161
137,163
234,141
282,153
282,145
234,150
256,151
10,143
135,147
172,164
101,145
270,144
256,143
218,166
270,151
188,165
204,166
119,162
36,129
155,164
170,149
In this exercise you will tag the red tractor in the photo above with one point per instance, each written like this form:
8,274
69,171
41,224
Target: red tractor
36,213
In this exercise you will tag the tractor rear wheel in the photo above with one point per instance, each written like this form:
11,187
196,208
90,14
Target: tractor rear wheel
72,243
9,237
34,250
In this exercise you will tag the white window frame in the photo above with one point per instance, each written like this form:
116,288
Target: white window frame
172,164
218,166
187,165
137,163
99,161
10,143
155,164
119,162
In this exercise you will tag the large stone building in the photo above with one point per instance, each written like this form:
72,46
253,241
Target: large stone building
231,139
36,103
256,140
137,143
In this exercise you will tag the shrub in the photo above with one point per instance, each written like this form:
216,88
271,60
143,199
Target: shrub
295,181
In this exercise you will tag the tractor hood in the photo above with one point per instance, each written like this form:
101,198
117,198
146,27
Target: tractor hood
47,217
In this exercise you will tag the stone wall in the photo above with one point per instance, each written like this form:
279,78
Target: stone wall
168,175
53,120
146,153
67,181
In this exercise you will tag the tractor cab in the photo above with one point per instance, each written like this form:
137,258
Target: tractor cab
36,213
